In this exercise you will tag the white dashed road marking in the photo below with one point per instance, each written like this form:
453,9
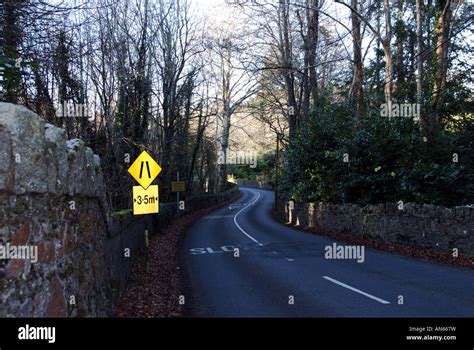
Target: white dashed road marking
356,290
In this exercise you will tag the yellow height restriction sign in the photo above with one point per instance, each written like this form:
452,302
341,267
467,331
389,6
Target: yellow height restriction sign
177,186
144,169
145,197
145,201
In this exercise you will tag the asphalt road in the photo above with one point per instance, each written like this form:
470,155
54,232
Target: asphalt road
280,272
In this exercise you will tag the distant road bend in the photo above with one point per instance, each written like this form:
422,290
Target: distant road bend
282,272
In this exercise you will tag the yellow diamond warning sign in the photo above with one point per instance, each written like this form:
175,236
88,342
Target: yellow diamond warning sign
145,201
144,169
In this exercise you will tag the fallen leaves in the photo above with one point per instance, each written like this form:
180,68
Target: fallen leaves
426,254
155,292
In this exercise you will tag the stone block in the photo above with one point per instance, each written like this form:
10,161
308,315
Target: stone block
27,131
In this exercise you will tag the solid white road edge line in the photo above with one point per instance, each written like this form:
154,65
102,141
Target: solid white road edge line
241,210
245,233
356,290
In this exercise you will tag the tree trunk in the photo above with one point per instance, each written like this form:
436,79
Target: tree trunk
419,35
223,146
421,57
358,69
388,88
400,39
441,58
312,17
385,41
201,128
284,30
378,61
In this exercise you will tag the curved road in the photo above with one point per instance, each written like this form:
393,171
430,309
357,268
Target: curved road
241,263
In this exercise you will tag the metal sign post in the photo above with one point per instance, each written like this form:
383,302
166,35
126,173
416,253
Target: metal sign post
177,193
277,160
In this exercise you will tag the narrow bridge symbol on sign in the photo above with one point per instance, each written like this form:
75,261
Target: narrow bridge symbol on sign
144,169
147,167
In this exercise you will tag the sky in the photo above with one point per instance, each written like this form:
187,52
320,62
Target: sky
213,10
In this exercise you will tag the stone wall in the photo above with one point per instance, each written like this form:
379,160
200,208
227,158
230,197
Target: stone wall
53,199
254,184
435,227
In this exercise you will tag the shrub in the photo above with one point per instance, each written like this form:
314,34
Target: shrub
388,160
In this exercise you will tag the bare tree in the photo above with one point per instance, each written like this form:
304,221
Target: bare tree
310,40
442,38
358,68
419,36
235,85
385,41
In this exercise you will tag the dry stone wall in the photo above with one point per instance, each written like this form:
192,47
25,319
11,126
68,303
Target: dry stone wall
441,229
